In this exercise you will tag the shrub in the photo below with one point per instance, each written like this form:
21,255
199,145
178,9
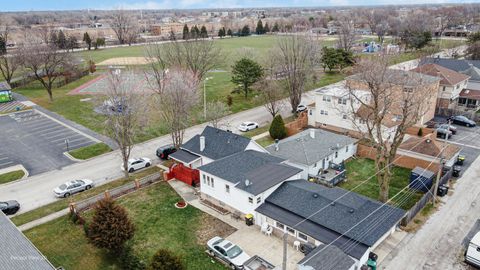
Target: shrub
420,132
110,227
229,101
130,260
277,128
165,260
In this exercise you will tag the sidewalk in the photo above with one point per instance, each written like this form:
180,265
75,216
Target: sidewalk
43,220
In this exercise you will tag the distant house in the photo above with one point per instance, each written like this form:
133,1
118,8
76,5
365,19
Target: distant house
242,181
212,144
314,151
452,83
312,213
17,251
429,149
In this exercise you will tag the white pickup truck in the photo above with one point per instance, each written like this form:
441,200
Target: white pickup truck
472,255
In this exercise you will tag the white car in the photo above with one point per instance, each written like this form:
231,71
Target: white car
301,108
225,250
138,163
71,187
246,126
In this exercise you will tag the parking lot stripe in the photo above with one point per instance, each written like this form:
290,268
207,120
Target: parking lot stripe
45,129
75,140
3,158
65,133
75,146
66,137
5,163
59,131
36,124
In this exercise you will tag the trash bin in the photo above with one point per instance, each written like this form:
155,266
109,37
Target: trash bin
442,190
249,219
456,171
460,160
373,256
372,264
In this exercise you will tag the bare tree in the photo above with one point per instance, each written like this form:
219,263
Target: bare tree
125,26
177,91
384,103
9,64
346,32
215,113
125,108
271,93
196,56
294,57
47,63
377,22
447,17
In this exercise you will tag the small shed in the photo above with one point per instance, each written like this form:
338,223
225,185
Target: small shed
421,179
5,92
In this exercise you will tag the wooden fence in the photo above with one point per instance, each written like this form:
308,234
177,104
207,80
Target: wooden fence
77,207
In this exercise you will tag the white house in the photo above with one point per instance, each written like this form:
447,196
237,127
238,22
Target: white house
314,150
212,144
241,182
315,214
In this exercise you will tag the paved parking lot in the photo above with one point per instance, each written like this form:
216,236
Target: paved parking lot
38,141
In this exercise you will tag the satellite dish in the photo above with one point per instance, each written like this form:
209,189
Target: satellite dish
247,182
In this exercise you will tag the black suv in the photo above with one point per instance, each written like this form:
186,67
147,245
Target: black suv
165,151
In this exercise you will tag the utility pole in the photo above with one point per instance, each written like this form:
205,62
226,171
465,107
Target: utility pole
440,167
284,261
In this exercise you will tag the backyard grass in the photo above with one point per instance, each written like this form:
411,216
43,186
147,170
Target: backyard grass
359,170
263,129
63,203
90,151
265,141
158,224
11,176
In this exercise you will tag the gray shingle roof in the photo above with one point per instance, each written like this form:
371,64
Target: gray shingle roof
184,156
327,257
218,143
473,72
261,169
301,148
304,199
17,252
402,77
450,63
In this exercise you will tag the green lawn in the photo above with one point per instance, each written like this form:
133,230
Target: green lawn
265,141
90,151
158,225
63,203
11,176
359,170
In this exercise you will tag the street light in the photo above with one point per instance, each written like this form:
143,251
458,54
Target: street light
205,96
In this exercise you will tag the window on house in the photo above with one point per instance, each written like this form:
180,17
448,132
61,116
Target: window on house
280,225
208,180
458,86
444,88
336,154
344,116
346,148
315,165
290,231
326,98
342,101
362,121
250,200
213,183
204,180
302,236
321,111
227,188
407,89
259,200
325,112
310,112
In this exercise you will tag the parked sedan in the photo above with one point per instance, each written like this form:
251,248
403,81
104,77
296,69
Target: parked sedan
225,250
164,151
137,164
9,207
462,120
443,133
246,126
301,108
453,129
71,187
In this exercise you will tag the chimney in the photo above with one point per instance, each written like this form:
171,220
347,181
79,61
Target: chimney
312,133
276,145
202,143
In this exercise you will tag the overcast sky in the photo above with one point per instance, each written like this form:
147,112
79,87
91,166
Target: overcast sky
27,5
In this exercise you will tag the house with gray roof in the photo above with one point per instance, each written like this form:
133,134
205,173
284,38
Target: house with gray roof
312,213
17,251
210,145
240,182
314,151
326,257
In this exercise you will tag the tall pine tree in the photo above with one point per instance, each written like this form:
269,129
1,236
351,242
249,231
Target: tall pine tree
203,32
259,30
185,32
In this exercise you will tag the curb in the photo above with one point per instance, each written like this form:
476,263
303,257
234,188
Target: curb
15,168
73,158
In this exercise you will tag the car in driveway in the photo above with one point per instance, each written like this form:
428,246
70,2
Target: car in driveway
137,164
462,120
164,151
453,129
72,187
230,253
301,108
9,207
247,126
443,133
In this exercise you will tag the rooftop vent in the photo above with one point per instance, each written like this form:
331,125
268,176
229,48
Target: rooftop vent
332,203
428,141
351,211
202,143
315,195
247,182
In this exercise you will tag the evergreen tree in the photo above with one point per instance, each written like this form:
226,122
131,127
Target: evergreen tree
266,29
99,42
172,36
87,40
72,43
246,72
185,32
61,40
275,27
110,227
3,46
229,32
203,32
277,128
165,260
259,30
221,32
245,31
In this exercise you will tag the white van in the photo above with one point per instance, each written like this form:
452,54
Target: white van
472,256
